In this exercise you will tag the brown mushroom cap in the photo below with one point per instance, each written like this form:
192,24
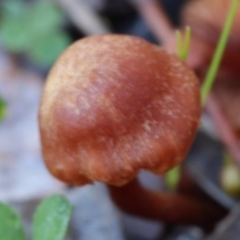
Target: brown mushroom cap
114,105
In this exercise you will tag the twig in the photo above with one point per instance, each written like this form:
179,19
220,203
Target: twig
155,17
83,17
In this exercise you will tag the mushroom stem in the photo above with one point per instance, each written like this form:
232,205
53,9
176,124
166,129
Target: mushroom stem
155,17
134,199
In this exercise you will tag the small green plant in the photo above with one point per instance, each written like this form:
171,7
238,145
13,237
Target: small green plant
34,29
10,226
183,44
3,108
50,220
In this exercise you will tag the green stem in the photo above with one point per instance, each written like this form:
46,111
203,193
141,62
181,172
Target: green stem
183,45
179,44
3,107
186,45
213,69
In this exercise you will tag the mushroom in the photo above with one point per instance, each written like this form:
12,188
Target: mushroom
114,105
206,19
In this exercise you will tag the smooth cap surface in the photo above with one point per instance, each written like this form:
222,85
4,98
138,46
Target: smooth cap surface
114,105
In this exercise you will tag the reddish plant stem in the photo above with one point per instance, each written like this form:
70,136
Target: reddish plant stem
224,129
134,199
189,187
154,15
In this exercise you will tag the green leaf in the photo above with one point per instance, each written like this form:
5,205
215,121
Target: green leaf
51,218
44,17
3,108
21,26
47,48
10,224
13,34
15,8
13,26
